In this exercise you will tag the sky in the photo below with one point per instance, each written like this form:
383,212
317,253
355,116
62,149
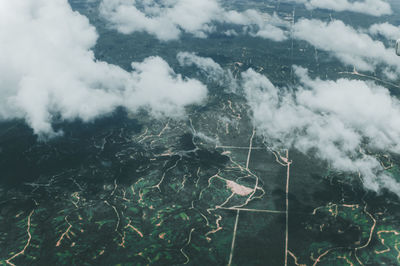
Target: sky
49,71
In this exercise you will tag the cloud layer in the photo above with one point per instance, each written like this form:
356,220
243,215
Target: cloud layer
355,47
369,7
332,120
342,122
169,19
47,68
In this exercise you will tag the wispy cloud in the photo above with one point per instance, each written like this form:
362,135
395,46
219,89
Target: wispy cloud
167,21
212,71
369,7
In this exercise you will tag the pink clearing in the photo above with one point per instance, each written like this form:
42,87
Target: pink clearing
238,189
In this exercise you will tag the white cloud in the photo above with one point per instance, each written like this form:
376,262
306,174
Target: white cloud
389,31
168,20
369,7
330,119
47,68
351,46
335,121
212,70
206,64
158,88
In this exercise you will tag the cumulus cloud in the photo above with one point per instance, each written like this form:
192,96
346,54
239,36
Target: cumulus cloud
169,19
331,120
369,7
350,46
387,30
48,69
